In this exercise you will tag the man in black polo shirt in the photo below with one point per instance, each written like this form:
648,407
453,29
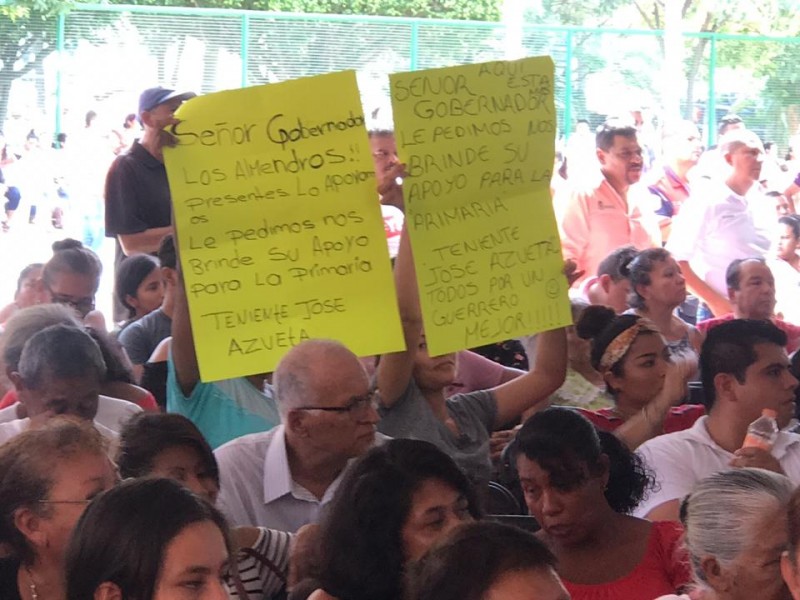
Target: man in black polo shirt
138,209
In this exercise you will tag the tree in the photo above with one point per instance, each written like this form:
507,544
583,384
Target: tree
716,16
28,28
27,36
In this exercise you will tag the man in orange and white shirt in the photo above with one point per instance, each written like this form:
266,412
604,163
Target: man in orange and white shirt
600,216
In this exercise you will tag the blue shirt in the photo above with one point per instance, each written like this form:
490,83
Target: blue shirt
223,410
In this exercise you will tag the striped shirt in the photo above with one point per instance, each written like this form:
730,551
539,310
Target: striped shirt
259,581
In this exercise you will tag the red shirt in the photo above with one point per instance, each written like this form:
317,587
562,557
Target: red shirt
664,569
792,331
679,417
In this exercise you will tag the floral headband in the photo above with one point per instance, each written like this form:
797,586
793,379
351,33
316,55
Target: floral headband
617,348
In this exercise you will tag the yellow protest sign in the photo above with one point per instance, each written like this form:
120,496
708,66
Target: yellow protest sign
478,141
279,228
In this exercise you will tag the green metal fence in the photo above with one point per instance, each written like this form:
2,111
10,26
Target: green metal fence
107,54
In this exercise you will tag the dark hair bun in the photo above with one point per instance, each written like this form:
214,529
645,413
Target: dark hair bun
593,320
66,244
625,266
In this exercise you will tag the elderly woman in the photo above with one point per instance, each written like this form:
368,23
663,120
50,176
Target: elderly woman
735,531
790,561
47,478
116,385
59,373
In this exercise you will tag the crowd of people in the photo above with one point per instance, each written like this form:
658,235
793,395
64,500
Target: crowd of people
614,458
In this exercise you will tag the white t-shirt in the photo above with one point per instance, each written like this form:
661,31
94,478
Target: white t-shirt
716,226
683,458
112,413
787,290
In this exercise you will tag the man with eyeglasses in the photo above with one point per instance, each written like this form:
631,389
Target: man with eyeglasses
284,478
601,216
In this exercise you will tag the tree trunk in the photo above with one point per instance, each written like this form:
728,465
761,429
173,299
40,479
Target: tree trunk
7,77
691,76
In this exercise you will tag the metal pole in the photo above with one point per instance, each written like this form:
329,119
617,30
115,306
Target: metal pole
711,103
414,52
568,87
245,47
61,27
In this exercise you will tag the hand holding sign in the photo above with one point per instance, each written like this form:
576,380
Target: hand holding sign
478,141
279,229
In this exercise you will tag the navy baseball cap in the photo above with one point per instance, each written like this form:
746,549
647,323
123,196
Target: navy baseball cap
152,97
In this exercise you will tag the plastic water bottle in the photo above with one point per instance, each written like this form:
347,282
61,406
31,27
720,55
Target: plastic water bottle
762,432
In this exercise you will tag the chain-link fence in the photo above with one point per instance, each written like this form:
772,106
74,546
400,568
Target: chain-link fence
102,56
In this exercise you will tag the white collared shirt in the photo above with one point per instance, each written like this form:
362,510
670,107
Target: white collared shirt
681,459
716,226
256,485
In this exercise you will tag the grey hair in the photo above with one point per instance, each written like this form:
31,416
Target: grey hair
297,378
25,323
60,351
722,513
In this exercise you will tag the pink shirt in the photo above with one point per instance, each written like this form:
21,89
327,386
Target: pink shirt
598,220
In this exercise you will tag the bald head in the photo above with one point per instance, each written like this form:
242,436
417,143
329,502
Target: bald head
311,371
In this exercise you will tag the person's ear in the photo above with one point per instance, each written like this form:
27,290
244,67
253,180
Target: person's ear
16,379
724,385
641,290
612,381
108,591
602,156
147,119
29,524
718,578
131,301
790,574
297,423
605,282
729,158
732,295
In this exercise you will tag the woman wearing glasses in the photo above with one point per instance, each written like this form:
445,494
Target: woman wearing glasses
72,277
47,478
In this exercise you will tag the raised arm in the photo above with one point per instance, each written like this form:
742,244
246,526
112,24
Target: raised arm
546,376
716,302
547,373
184,358
649,422
395,370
